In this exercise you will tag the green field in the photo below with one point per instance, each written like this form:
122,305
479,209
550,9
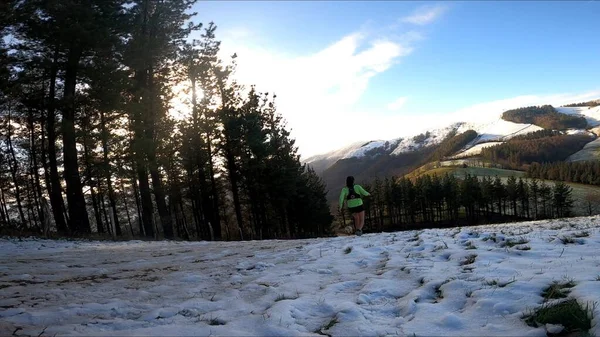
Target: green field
580,191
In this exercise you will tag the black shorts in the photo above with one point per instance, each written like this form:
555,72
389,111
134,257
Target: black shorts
356,209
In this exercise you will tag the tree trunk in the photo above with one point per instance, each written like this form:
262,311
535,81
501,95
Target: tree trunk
184,222
146,198
3,216
88,169
78,216
126,208
108,222
159,196
4,208
136,197
99,225
157,185
107,174
216,218
36,173
32,195
54,189
233,180
13,169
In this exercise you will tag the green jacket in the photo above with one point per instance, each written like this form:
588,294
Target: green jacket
353,202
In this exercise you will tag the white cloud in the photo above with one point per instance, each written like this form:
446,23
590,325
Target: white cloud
397,104
316,93
425,15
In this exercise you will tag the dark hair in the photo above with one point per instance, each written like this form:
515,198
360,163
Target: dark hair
350,181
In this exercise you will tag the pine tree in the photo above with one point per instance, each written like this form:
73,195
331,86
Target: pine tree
512,193
562,199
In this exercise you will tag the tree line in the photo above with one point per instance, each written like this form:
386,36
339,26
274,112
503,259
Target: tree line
545,116
431,200
590,104
119,117
583,172
541,146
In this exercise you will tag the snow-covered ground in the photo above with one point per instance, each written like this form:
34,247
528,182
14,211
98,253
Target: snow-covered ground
436,136
592,115
395,284
475,150
503,130
591,151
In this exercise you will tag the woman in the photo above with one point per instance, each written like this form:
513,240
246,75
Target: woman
353,195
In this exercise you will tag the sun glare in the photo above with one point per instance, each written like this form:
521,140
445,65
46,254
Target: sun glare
181,104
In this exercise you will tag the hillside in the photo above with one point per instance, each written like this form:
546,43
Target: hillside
395,147
591,114
368,167
494,130
591,151
470,281
545,116
493,145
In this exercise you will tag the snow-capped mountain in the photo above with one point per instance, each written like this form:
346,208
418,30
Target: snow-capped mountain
498,130
493,132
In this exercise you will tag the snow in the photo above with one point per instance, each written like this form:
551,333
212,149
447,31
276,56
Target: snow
361,151
475,150
436,136
495,129
580,132
591,151
500,130
404,283
337,154
592,115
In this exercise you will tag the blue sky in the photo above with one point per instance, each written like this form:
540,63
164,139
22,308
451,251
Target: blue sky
388,69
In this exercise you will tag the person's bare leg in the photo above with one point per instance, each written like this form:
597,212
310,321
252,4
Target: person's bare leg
356,220
361,221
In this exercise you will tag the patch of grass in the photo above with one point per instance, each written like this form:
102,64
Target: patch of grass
348,250
331,323
84,279
470,245
469,260
283,297
504,284
558,290
567,240
327,326
491,238
437,248
438,292
213,321
414,238
473,234
582,234
511,242
576,319
492,283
